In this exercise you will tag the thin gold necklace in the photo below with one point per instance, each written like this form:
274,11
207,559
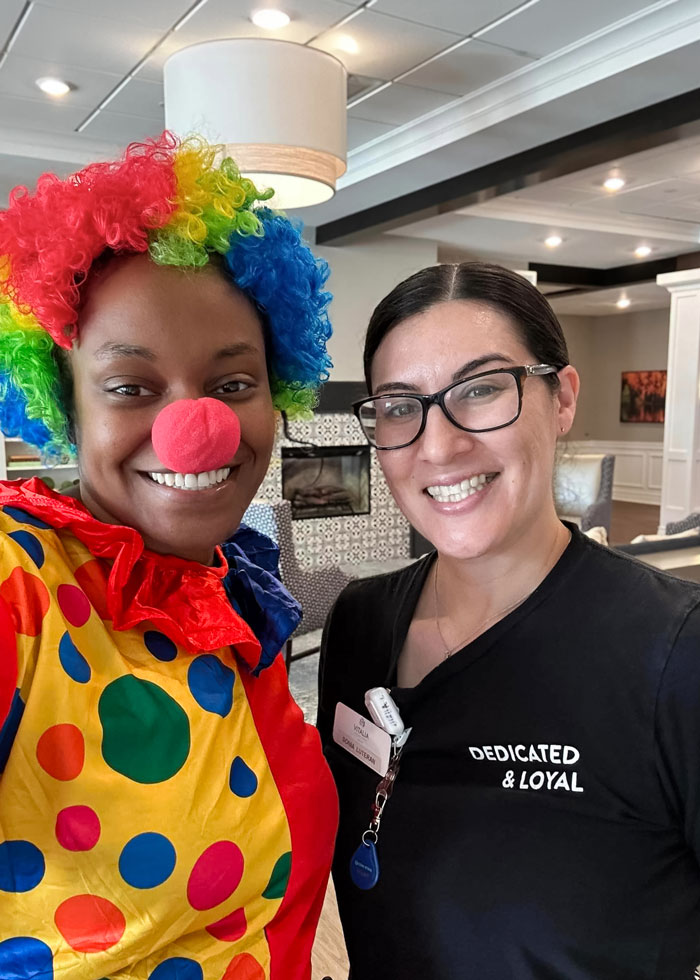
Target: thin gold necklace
501,614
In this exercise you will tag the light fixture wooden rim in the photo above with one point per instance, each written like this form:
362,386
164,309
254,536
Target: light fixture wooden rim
294,161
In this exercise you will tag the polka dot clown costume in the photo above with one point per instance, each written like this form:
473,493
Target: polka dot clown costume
165,813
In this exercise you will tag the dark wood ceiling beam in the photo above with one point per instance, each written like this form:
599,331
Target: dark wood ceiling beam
569,275
621,275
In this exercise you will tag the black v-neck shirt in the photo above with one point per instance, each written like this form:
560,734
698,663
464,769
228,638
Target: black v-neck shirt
545,823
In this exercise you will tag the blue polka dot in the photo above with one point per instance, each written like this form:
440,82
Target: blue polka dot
211,684
159,645
31,545
147,860
22,958
22,517
243,781
21,866
177,968
72,660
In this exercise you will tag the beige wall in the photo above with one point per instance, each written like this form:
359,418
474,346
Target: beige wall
601,348
361,275
640,343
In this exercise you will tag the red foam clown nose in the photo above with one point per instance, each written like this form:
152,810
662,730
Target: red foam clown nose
195,435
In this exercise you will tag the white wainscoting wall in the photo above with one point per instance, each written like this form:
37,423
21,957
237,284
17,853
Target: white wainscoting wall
638,467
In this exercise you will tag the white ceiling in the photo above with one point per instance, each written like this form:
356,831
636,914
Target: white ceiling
433,57
520,242
651,54
643,296
661,195
436,89
659,206
96,46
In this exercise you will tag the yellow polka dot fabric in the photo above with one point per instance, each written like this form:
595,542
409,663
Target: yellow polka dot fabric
142,834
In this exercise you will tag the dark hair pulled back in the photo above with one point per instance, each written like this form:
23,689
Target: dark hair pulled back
482,282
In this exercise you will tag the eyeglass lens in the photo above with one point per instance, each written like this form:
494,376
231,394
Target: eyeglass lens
477,404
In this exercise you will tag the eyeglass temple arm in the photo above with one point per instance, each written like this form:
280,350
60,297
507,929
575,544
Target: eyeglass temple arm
538,369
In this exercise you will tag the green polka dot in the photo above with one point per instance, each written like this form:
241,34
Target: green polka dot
145,733
279,879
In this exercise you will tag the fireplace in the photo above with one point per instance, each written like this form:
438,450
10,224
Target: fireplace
326,481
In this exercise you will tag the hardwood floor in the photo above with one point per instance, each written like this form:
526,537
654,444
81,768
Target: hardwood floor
629,520
329,958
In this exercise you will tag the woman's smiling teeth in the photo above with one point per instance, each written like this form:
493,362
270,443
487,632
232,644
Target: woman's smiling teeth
460,491
192,481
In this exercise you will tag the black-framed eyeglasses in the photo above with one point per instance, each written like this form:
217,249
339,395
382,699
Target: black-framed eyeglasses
480,403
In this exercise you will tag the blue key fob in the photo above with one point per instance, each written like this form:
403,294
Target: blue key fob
364,866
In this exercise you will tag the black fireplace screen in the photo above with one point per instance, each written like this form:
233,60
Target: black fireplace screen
326,481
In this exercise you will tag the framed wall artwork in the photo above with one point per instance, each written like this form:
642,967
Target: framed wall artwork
643,396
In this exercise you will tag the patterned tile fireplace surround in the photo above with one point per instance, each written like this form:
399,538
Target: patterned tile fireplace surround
319,542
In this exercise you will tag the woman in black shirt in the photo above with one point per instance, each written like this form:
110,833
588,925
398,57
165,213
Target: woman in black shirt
545,816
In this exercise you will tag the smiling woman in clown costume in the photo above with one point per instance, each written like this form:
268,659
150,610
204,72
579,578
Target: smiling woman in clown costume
165,813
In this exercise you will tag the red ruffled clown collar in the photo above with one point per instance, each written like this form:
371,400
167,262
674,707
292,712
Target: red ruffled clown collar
184,599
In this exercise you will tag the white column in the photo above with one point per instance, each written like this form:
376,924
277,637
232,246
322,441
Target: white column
680,493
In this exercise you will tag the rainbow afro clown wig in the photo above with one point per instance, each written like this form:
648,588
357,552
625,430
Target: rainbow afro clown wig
174,201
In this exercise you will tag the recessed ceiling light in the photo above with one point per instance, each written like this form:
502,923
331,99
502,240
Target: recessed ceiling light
642,251
623,302
345,43
614,184
53,86
553,241
270,19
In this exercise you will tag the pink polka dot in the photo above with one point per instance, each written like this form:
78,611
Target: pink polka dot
215,876
77,828
230,928
74,604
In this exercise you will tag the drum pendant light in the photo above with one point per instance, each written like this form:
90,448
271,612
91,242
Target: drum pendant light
279,108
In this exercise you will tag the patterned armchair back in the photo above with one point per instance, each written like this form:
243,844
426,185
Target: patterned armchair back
315,589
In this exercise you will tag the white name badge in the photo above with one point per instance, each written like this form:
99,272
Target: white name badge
362,738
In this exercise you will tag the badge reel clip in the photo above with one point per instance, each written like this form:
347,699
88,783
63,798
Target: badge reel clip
364,864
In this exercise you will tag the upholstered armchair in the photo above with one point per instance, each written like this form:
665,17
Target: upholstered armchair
689,523
583,485
316,589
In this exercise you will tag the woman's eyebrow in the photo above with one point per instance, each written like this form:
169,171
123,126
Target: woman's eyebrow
395,386
469,368
234,350
113,349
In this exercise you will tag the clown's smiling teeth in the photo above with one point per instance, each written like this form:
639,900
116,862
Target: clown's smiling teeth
191,481
460,491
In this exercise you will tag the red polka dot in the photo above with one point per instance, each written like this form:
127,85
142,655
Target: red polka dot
92,577
77,828
74,604
230,928
215,876
244,967
89,924
61,751
28,599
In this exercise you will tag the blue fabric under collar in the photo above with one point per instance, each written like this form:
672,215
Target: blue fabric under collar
256,592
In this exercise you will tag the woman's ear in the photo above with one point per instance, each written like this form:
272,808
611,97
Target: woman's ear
569,384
